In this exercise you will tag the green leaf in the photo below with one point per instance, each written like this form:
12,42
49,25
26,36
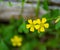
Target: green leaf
30,45
57,26
20,20
8,32
8,29
26,46
23,28
55,13
3,46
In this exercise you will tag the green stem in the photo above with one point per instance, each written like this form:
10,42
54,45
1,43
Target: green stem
38,8
45,4
22,9
10,4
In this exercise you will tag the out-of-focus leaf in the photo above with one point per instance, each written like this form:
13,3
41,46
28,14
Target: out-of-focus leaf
20,29
3,46
8,29
52,43
30,45
55,13
20,20
26,46
57,26
23,28
8,32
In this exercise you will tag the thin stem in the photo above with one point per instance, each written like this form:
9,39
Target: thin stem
10,4
38,8
22,9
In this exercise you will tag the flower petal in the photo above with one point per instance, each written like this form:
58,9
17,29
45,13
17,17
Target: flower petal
19,44
34,21
28,26
42,29
14,44
32,29
44,20
38,21
15,37
12,40
37,26
30,21
46,25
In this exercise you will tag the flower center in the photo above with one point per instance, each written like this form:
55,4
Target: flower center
32,25
42,25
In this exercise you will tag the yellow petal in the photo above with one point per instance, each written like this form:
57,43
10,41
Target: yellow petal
12,40
30,21
16,39
37,26
42,29
19,44
28,26
32,29
46,25
44,20
34,21
38,21
14,44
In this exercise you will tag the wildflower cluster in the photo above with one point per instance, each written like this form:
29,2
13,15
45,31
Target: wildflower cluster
37,24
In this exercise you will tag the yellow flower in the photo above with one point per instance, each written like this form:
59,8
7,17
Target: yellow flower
42,24
32,25
16,41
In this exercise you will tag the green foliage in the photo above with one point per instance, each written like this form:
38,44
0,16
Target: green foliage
3,46
57,25
31,40
22,28
45,4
